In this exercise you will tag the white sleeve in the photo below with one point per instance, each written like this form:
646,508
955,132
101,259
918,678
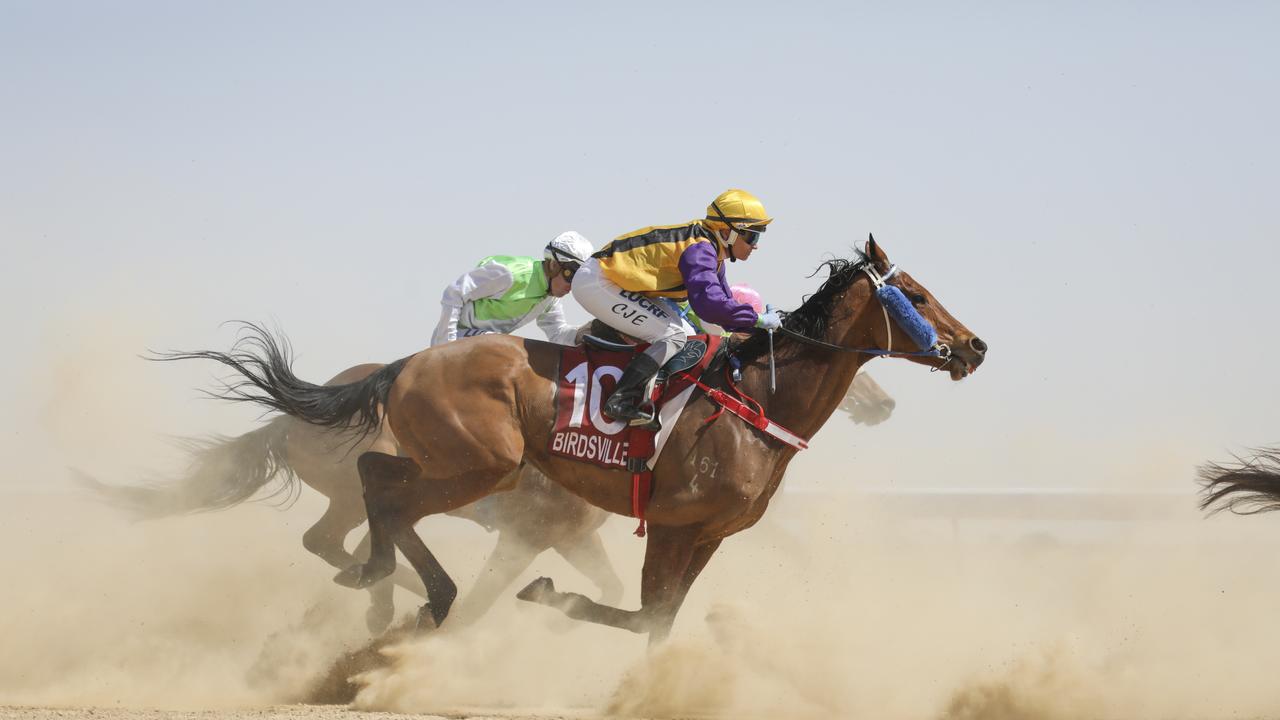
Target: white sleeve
488,280
558,329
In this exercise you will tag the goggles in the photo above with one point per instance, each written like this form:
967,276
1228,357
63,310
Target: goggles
750,235
568,264
568,270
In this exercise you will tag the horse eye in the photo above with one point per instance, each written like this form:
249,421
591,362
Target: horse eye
918,299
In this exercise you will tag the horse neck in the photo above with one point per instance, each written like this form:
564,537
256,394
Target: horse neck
812,381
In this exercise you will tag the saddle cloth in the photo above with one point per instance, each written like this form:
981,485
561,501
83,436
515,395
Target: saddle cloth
586,377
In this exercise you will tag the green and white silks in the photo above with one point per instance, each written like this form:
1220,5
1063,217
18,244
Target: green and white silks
502,294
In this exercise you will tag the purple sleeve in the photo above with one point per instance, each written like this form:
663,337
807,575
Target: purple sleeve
709,293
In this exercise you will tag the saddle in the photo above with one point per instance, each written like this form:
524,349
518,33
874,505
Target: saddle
581,432
603,337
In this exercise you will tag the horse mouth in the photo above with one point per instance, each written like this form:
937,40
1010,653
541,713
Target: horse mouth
961,369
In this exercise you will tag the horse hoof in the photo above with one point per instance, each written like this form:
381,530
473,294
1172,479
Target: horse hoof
426,619
361,577
349,578
537,591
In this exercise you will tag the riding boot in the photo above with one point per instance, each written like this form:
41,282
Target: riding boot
628,401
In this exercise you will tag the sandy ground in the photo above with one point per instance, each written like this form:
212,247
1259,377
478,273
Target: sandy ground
279,712
832,608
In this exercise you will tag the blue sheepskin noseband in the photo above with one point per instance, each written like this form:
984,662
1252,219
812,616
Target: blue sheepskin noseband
907,317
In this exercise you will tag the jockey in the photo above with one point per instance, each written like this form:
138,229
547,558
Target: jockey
506,292
631,285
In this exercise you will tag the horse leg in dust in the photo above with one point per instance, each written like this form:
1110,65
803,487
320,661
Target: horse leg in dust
327,536
385,479
587,555
382,607
510,557
397,494
667,557
403,576
701,556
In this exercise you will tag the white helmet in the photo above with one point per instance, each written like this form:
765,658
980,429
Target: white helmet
569,248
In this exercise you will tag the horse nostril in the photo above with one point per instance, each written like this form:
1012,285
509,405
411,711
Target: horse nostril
978,346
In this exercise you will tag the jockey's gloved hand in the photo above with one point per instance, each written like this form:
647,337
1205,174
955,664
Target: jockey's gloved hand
769,320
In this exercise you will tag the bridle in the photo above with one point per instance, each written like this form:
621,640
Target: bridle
902,311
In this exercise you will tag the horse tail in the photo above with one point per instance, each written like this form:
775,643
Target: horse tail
265,366
1246,487
222,472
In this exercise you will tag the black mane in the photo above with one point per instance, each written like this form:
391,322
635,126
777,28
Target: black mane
811,318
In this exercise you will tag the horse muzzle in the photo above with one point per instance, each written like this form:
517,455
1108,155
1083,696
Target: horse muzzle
965,357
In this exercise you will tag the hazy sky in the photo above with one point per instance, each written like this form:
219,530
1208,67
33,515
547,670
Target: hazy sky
1091,187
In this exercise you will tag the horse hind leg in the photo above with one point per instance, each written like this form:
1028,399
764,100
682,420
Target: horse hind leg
438,496
386,479
397,494
325,538
382,606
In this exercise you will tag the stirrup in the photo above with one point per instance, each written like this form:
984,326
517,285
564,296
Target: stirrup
650,421
640,414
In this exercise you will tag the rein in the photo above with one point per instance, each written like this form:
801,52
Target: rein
942,351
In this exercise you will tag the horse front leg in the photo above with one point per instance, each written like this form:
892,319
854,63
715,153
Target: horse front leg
701,556
668,554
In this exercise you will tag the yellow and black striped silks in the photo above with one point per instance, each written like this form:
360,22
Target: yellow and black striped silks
648,260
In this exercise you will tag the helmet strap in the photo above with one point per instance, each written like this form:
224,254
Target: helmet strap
733,238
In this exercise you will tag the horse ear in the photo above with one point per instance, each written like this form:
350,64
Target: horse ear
873,251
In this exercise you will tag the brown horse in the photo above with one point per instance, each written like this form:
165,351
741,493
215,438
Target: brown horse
534,516
1248,486
866,402
470,413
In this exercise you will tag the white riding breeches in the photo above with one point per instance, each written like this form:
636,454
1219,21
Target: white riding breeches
653,320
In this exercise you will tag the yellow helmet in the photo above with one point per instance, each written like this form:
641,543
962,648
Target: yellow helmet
738,209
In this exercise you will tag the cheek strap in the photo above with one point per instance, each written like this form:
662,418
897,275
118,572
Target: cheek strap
899,308
895,306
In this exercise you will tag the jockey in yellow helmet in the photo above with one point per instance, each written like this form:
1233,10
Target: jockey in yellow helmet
632,284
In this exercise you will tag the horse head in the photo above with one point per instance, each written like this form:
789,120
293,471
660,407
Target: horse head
914,325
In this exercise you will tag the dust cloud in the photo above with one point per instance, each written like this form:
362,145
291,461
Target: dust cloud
833,606
848,609
206,611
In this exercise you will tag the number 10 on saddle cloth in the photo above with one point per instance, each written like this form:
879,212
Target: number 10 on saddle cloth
585,379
